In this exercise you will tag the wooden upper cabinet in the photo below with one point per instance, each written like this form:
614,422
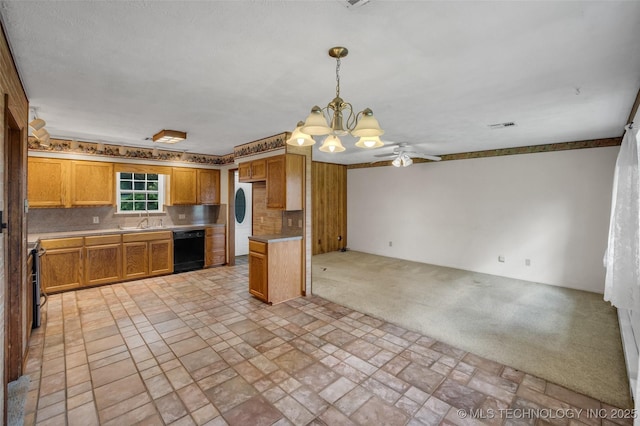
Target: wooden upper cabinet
252,171
208,186
92,183
285,182
183,186
47,182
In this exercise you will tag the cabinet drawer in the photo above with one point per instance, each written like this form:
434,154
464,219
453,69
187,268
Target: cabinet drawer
212,230
63,243
147,236
257,247
102,239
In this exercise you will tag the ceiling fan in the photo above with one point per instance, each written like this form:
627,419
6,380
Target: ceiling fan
403,153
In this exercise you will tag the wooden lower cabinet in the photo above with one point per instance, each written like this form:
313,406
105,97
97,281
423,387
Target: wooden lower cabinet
275,270
215,246
71,263
147,254
62,267
103,259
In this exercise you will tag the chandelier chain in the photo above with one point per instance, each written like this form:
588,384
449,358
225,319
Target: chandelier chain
337,77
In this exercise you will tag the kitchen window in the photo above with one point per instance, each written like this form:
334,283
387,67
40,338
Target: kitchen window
140,192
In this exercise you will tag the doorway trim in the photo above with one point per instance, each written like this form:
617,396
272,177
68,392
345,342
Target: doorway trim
231,219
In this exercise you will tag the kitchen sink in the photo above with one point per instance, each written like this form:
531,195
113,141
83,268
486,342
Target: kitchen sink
137,228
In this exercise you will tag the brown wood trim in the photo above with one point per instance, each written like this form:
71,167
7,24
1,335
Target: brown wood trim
231,219
263,145
634,108
532,149
13,62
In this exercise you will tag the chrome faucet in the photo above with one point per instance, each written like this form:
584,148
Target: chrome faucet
145,220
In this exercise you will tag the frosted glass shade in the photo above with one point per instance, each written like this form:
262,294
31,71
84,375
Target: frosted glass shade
299,138
40,134
37,124
316,123
332,144
367,126
369,142
45,140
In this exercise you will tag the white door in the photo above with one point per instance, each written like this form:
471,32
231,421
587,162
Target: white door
243,216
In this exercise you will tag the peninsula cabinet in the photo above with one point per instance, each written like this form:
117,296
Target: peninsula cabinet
252,171
53,182
275,269
285,182
215,246
61,266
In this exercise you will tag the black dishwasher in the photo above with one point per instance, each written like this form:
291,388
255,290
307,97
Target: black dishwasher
188,250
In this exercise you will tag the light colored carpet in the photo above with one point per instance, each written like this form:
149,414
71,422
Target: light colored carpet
568,337
16,399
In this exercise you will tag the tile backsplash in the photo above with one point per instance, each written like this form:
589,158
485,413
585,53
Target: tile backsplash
80,219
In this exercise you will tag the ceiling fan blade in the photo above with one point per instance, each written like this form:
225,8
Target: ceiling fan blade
425,156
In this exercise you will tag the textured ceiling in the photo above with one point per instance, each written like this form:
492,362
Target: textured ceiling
436,74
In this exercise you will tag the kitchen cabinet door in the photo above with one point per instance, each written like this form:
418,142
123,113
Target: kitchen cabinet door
208,186
285,182
135,257
258,275
61,265
47,182
215,246
160,257
92,183
183,186
252,171
103,264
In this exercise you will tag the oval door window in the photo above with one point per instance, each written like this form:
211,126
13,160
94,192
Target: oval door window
241,205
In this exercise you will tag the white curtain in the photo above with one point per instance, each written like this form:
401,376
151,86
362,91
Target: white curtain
622,259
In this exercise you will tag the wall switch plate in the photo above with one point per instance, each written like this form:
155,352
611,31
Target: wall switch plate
390,243
300,223
501,259
182,216
289,222
527,262
96,219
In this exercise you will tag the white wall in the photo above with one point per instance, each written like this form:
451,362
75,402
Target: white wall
551,208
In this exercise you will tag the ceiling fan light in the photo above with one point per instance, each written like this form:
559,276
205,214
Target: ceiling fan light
45,141
299,138
406,160
40,134
396,162
367,126
369,142
316,123
37,124
332,144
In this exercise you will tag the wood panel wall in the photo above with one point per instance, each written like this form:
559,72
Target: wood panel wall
14,240
329,198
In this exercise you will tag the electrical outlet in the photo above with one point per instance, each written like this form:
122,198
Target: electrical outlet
390,243
289,222
96,219
261,219
527,262
501,259
182,216
299,223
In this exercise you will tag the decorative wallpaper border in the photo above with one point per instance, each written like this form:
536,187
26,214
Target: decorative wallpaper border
259,146
91,148
531,149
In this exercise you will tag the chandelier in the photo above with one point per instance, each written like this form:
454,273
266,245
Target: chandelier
343,121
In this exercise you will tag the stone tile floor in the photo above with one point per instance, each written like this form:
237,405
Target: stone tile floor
195,348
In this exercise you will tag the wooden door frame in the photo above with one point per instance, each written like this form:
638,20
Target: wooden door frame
14,250
231,219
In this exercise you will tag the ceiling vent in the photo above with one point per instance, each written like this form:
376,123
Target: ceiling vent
352,4
502,125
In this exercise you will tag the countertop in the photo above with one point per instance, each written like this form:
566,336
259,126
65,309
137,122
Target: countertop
274,238
34,238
